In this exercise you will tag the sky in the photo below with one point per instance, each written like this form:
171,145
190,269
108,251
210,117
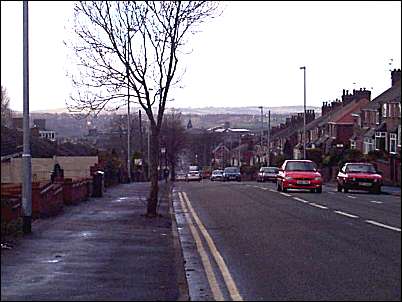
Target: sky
249,56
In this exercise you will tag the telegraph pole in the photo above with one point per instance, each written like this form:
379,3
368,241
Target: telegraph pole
262,127
128,107
269,136
304,115
26,156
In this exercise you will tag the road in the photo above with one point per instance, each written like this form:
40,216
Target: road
246,241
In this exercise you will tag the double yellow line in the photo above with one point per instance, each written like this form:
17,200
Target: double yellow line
230,284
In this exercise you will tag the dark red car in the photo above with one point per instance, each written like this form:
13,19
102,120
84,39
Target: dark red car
299,174
359,176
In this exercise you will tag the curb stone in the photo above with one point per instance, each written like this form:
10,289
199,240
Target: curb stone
179,259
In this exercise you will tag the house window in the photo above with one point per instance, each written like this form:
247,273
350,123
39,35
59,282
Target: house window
392,143
368,145
352,144
377,118
384,110
380,140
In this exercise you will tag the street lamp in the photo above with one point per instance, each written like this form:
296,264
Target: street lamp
128,105
262,126
26,156
304,115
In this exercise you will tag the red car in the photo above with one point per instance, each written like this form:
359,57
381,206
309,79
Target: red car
359,176
299,174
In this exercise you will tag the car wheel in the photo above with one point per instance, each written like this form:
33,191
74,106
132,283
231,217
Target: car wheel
313,191
345,190
376,190
319,190
339,188
283,188
278,187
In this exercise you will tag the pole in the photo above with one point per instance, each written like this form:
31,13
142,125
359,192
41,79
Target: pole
148,147
239,149
26,156
262,127
269,136
128,109
304,115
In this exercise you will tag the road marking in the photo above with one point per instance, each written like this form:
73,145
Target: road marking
216,291
230,284
375,201
263,188
331,192
353,197
317,205
383,225
299,199
273,190
256,187
346,214
285,194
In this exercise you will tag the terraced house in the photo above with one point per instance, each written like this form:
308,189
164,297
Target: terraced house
378,128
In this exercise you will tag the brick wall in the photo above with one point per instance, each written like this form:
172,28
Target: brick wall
74,167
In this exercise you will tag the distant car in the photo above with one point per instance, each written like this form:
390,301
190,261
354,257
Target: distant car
299,174
194,174
217,175
359,176
231,173
267,173
206,174
181,176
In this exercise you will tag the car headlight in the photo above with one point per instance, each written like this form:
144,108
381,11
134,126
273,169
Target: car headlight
317,178
289,178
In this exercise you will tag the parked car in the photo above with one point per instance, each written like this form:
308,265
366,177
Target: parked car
181,176
206,173
299,174
217,175
194,173
359,176
267,173
231,173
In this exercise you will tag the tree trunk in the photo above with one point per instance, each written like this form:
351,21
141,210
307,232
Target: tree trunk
173,171
154,160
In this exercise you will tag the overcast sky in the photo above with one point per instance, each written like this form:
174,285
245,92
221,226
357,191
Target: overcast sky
249,56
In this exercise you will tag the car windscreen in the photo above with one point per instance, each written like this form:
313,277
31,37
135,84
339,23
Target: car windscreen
217,172
270,170
300,166
232,170
360,169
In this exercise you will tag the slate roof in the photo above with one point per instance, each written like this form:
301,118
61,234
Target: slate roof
393,93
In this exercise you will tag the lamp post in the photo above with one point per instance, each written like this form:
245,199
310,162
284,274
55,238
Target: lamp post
269,137
304,115
26,156
128,104
262,126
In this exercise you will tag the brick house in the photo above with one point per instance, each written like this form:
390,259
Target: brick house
334,127
378,128
284,137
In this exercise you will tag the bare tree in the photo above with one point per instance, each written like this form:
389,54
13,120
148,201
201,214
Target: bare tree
6,112
173,138
133,47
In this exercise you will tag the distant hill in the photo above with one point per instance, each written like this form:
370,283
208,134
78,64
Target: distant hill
214,110
251,110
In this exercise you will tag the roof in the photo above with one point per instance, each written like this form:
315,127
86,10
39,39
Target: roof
323,119
344,115
393,93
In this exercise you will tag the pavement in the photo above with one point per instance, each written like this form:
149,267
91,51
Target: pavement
102,249
391,190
